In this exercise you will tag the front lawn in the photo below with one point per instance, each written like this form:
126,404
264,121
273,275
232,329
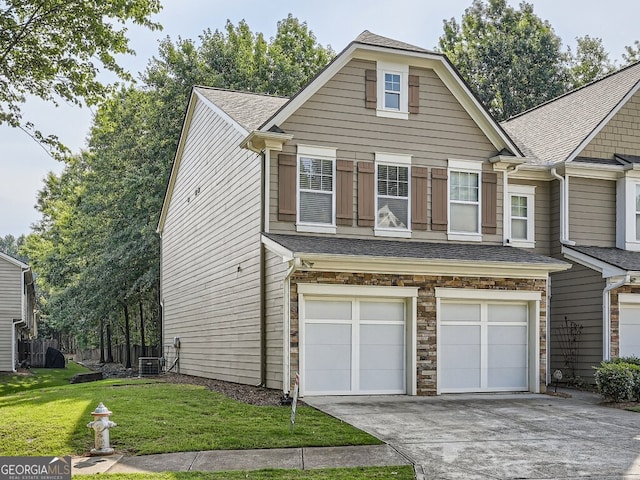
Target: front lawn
38,378
157,417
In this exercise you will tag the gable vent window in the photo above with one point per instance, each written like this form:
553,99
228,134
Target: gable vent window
316,189
393,211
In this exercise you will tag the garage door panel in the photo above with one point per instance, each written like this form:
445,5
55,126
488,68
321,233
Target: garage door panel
328,381
506,313
335,310
382,380
461,335
385,311
328,334
459,312
507,377
328,357
507,335
381,357
629,331
381,334
454,357
460,378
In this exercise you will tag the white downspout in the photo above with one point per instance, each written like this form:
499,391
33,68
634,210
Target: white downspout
267,190
564,209
606,315
294,264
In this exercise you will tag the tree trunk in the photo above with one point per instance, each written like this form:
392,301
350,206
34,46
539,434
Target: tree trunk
143,348
101,340
127,337
109,351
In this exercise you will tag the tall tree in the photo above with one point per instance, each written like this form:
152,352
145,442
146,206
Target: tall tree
49,49
11,246
632,53
590,62
511,58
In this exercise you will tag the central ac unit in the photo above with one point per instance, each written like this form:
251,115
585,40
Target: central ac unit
148,366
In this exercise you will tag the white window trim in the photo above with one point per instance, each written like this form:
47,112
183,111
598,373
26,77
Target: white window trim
403,71
527,191
397,160
468,166
320,153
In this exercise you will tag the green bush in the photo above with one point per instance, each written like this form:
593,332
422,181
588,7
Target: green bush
617,380
632,360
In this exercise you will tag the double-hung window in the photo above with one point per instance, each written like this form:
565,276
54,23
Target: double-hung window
521,209
637,212
316,189
464,200
393,90
393,208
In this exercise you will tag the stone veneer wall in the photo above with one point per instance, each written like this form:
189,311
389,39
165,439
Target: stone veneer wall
426,321
615,316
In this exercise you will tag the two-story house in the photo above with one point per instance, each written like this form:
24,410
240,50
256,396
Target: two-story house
364,233
17,308
587,144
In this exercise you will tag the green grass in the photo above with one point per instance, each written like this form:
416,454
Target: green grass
39,378
157,418
363,473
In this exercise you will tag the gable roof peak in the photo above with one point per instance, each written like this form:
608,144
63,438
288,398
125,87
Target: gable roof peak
369,38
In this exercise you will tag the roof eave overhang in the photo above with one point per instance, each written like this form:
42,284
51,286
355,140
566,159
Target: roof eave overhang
606,269
259,141
413,266
437,62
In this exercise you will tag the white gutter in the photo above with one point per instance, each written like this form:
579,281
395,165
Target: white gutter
564,208
294,264
606,314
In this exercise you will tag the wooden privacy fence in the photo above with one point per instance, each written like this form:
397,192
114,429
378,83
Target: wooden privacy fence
34,351
119,354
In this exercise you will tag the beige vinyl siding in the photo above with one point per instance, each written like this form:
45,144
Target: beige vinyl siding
336,117
577,294
592,212
211,254
619,135
10,309
274,284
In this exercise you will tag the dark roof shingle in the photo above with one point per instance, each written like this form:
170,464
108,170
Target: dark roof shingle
301,244
623,259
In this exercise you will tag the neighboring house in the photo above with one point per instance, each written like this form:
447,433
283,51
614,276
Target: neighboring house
587,144
360,233
17,307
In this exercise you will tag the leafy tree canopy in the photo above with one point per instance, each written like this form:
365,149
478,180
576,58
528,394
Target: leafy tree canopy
54,50
11,246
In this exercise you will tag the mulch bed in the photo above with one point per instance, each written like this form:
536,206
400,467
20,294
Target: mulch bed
249,394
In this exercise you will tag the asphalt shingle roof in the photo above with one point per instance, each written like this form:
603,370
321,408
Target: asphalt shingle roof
551,132
369,38
248,109
299,244
623,259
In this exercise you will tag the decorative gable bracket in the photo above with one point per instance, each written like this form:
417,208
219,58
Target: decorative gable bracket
258,141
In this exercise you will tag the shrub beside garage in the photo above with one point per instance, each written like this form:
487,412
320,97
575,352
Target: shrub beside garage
618,380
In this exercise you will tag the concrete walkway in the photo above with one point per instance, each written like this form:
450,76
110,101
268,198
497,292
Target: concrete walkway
224,460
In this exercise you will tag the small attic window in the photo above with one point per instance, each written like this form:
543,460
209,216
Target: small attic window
393,90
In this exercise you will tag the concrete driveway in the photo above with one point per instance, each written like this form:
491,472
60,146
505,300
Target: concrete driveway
500,436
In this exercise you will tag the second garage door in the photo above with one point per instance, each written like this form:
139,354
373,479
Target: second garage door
629,330
483,346
353,346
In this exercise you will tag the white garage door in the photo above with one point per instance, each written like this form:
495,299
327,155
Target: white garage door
483,347
353,346
629,330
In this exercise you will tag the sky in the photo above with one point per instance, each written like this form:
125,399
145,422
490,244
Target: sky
24,164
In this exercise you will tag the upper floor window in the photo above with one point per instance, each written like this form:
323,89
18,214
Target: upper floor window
521,210
393,208
316,189
637,212
393,90
464,200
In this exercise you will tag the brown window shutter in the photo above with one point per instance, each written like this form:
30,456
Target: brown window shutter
370,89
287,188
414,94
419,180
489,202
344,192
439,207
366,194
